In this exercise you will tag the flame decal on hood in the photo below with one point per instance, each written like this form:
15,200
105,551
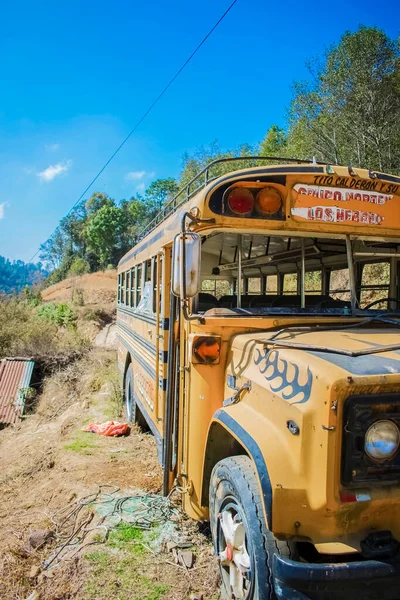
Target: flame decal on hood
274,368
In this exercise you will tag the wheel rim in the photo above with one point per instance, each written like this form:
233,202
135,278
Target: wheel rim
235,563
128,401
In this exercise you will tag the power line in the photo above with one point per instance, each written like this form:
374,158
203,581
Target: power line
145,114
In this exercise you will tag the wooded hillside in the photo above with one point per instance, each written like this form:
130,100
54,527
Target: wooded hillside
15,275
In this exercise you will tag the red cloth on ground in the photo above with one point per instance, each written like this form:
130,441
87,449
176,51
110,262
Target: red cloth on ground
110,428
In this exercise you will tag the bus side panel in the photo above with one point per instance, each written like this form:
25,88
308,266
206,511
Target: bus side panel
136,335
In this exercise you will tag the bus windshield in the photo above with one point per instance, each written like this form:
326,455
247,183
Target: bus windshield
267,274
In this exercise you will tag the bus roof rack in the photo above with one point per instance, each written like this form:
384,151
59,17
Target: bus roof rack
203,178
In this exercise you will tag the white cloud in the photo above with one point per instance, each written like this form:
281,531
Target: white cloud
53,171
140,187
2,210
134,175
138,175
28,170
52,147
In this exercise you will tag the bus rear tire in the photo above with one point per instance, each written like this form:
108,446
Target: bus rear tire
242,541
132,411
129,402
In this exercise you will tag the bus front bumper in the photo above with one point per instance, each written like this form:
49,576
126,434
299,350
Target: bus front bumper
369,580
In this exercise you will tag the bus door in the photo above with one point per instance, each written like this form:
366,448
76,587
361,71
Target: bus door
173,388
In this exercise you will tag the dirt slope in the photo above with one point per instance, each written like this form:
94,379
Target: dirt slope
49,465
91,289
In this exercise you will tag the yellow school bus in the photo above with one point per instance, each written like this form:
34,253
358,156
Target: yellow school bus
258,326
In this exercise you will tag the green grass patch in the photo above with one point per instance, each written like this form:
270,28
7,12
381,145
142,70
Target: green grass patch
98,558
119,569
128,538
83,442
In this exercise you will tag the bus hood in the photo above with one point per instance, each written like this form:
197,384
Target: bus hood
291,372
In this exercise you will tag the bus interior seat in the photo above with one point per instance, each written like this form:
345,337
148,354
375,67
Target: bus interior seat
228,302
262,301
207,301
316,299
231,301
245,300
332,303
287,301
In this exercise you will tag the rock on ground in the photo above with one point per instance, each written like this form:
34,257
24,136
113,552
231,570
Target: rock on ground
107,337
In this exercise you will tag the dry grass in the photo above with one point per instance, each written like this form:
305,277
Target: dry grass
94,289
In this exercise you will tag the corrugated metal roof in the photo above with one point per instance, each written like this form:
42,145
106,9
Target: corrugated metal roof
15,375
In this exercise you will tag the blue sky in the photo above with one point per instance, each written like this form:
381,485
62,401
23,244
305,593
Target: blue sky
75,77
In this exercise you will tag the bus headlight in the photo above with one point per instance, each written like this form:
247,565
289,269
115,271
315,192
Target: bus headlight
382,440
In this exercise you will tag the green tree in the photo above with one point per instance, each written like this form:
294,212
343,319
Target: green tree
274,143
156,196
103,233
97,201
159,192
52,250
79,266
348,111
204,155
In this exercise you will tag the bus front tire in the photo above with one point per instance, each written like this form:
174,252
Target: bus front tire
242,541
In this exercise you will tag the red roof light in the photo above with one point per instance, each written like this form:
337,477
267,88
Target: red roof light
241,201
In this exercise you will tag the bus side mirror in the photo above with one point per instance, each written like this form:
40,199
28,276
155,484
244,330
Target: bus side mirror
186,265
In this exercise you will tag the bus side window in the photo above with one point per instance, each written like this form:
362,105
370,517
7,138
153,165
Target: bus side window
209,286
145,304
132,290
222,288
138,284
313,282
122,288
339,285
253,285
127,287
272,284
216,287
119,289
375,282
290,283
154,284
147,271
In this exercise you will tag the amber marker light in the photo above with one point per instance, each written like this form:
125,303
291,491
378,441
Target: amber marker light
241,201
206,349
268,201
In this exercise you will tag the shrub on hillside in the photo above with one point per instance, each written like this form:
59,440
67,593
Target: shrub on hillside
60,314
79,266
56,276
47,337
33,295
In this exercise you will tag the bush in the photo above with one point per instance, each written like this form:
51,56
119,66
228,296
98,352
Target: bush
47,337
78,297
56,276
79,266
60,314
33,295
